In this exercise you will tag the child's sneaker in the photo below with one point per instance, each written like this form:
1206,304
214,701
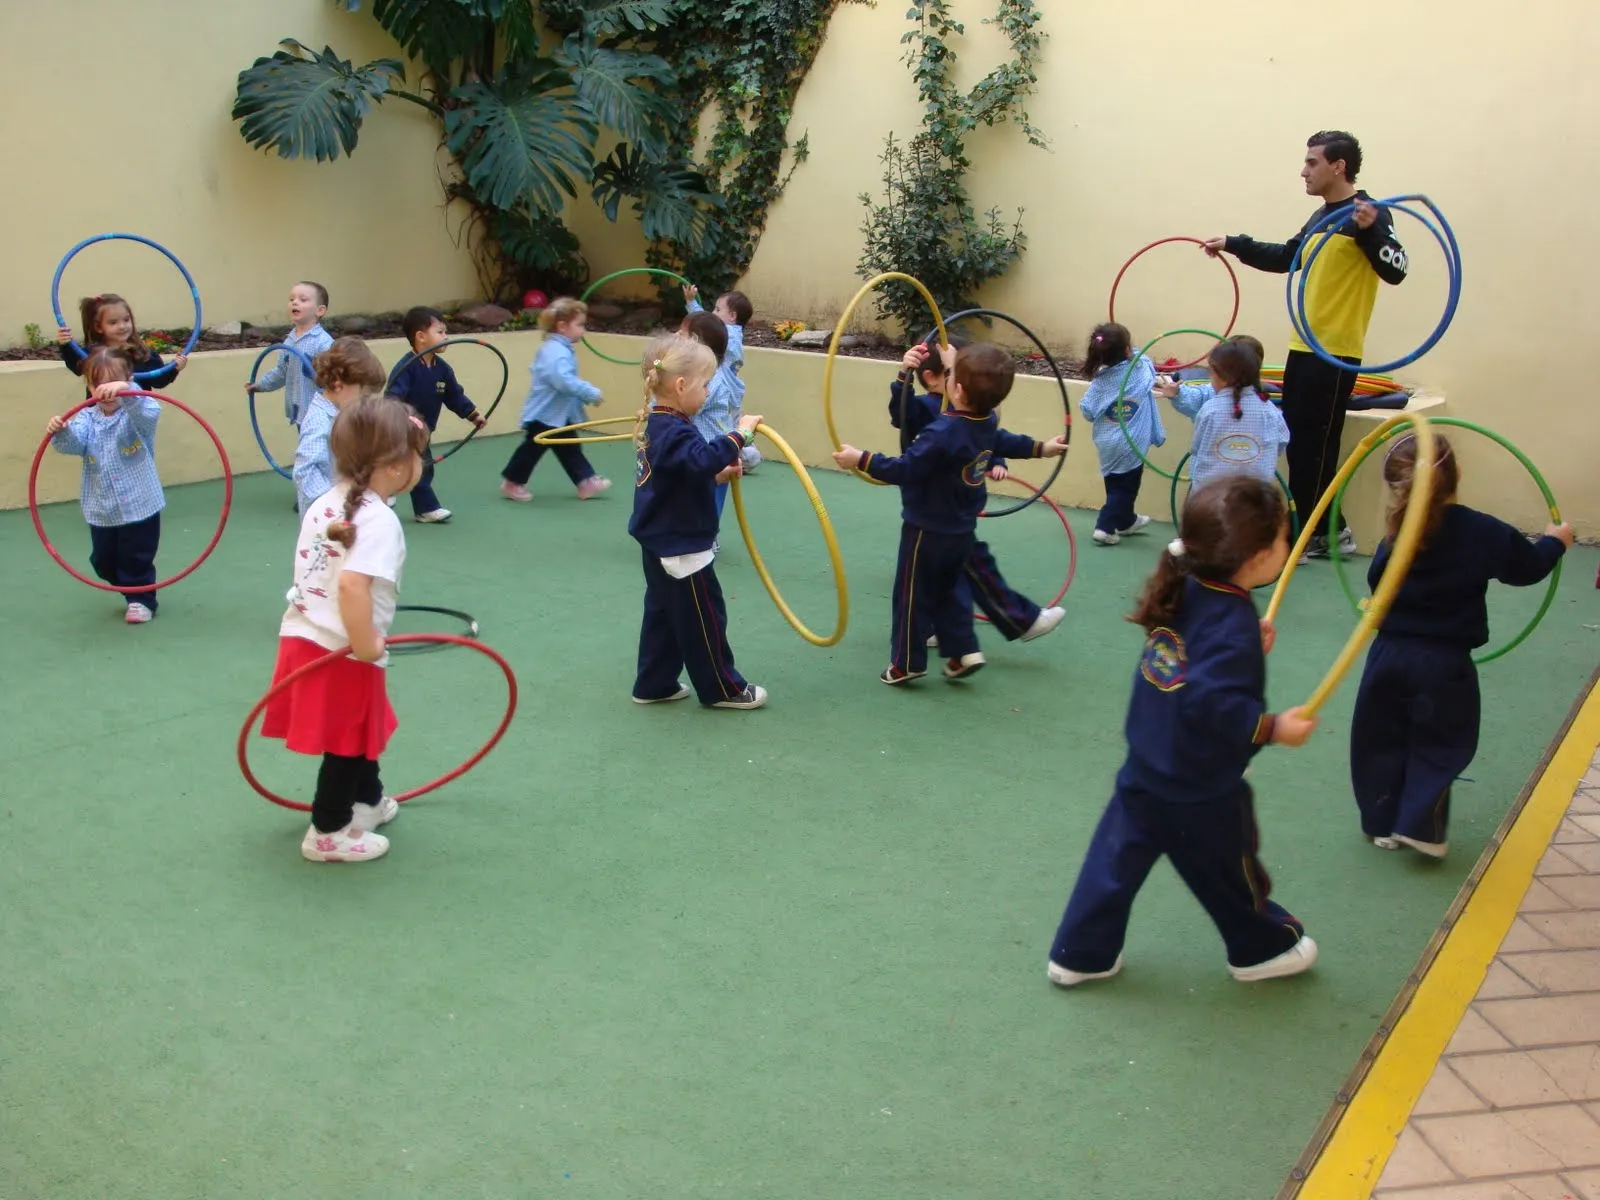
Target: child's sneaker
138,613
1431,849
593,486
435,516
1138,525
1047,620
1386,843
967,664
1295,959
750,458
751,697
348,845
893,675
681,694
515,491
1062,977
1102,538
369,816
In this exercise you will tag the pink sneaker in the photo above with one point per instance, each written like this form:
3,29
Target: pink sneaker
515,491
593,486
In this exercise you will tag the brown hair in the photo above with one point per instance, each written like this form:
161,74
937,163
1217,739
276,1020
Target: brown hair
1399,468
322,292
349,361
985,373
739,305
1224,525
709,330
1244,339
1109,344
1239,368
371,433
561,310
90,308
107,364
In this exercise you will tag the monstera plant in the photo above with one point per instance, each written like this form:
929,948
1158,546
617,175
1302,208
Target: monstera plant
522,91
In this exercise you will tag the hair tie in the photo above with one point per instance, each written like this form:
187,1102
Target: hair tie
1176,548
417,421
656,365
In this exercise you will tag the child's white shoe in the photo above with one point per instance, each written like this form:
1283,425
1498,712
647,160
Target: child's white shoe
138,614
349,844
593,486
1297,958
1102,538
370,816
1062,977
1139,522
1047,620
1431,849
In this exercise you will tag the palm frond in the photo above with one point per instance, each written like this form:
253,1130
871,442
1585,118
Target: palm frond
305,104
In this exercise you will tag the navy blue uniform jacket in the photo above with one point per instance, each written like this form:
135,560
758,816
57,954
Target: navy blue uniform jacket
675,484
942,476
429,389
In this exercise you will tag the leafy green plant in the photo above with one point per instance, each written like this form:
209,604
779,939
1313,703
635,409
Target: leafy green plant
35,336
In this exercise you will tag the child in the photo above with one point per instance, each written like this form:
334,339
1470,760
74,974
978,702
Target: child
1197,717
308,304
346,371
108,321
675,523
121,494
555,400
1106,364
718,416
347,569
1237,430
1189,395
1016,617
734,310
428,384
1415,727
941,479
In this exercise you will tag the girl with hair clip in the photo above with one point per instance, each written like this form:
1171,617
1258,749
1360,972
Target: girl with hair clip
346,371
108,321
1237,430
347,568
1106,365
1415,726
1197,717
556,399
676,473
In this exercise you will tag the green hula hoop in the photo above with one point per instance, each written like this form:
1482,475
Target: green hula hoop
1116,405
1544,488
1294,514
605,279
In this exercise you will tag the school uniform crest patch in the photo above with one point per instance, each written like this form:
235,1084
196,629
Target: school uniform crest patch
1165,662
975,472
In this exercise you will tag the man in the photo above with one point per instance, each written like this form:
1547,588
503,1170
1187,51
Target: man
1339,299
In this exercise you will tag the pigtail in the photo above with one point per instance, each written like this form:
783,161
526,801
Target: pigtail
1162,597
1238,406
344,531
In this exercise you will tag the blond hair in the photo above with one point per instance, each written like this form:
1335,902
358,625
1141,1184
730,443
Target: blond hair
672,357
561,310
371,433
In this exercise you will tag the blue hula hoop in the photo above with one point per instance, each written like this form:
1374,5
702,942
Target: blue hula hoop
255,423
1296,299
139,377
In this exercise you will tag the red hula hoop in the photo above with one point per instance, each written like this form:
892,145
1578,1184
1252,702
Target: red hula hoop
1232,275
449,639
1072,563
227,502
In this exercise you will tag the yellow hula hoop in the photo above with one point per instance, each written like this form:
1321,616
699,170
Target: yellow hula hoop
549,438
827,535
1406,543
838,332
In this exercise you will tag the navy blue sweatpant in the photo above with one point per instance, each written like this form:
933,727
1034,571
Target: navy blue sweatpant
930,596
125,555
685,626
1122,494
1010,612
1212,845
1415,729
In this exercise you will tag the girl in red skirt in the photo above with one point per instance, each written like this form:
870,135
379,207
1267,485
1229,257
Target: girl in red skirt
346,579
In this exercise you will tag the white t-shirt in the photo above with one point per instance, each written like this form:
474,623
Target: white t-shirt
380,551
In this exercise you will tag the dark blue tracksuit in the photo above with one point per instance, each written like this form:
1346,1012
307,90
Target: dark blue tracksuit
1415,727
675,512
1009,611
941,480
1197,717
430,388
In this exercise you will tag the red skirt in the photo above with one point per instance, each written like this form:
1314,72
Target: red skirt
342,708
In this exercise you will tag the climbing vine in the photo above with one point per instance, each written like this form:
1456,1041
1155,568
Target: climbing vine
926,225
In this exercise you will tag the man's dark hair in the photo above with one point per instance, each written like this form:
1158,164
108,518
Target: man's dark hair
1339,146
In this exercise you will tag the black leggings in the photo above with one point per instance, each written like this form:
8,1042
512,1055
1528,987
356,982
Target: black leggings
343,782
528,453
1314,397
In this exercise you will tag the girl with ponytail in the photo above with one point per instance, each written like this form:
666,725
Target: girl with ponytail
347,568
1134,418
1237,430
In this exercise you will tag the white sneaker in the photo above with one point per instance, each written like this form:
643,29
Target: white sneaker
752,697
1138,524
1102,538
515,491
369,816
1347,541
1386,843
437,516
681,694
348,845
1047,620
967,664
1431,849
1062,977
934,640
138,614
1295,959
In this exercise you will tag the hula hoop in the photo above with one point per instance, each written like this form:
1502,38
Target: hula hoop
1072,561
411,649
828,536
604,279
1544,489
1061,382
55,291
255,423
1442,233
1294,516
1138,254
1406,544
505,381
222,522
333,655
838,333
1116,405
549,438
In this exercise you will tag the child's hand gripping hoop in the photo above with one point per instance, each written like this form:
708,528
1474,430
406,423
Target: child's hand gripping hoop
601,282
553,437
1361,456
505,380
333,656
55,290
838,333
222,521
1116,409
1072,559
1406,544
828,536
1143,250
255,422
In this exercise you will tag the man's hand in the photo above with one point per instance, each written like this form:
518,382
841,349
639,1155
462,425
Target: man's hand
1366,213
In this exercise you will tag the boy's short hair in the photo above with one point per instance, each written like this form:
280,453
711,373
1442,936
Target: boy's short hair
932,364
418,319
322,292
709,330
739,305
985,373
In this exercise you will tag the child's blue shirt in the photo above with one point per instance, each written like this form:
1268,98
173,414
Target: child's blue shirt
290,374
120,485
557,395
1137,409
1245,445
